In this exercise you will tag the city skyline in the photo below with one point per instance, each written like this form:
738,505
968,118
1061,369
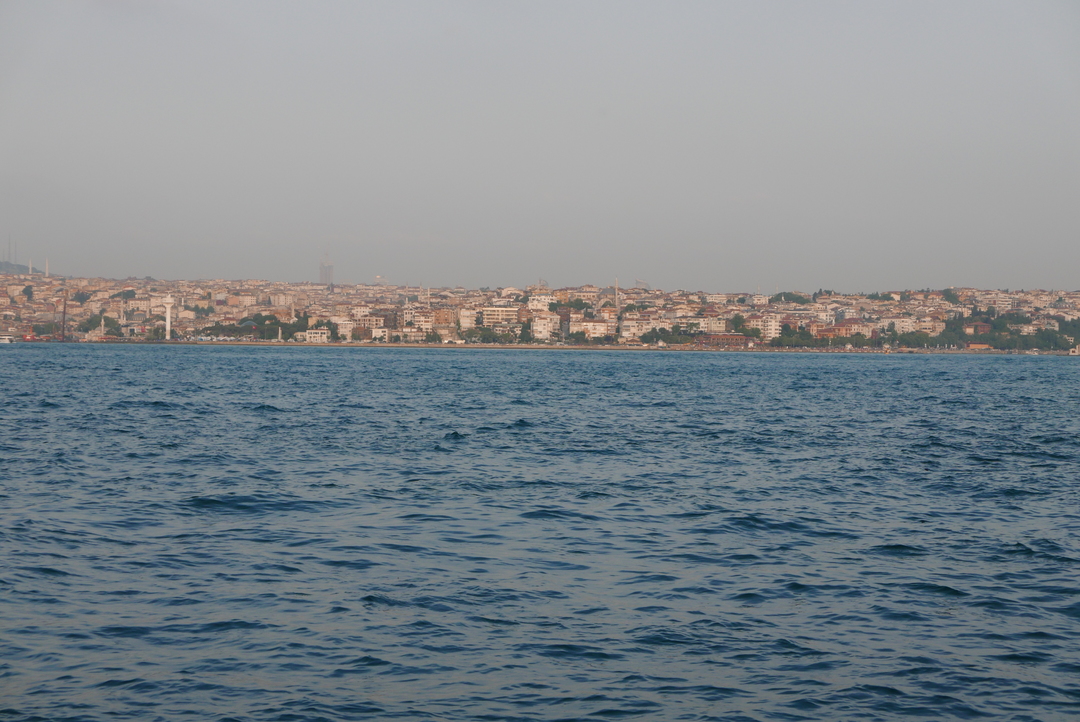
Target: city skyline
37,307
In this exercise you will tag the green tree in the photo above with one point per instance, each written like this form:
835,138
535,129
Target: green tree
432,337
200,311
158,334
673,336
578,338
789,297
29,293
1071,328
81,297
95,322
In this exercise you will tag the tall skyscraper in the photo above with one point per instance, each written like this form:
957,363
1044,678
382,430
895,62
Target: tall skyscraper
326,273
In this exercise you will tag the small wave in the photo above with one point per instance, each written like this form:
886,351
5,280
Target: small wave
706,693
570,651
355,564
47,571
269,409
897,550
381,600
1028,658
498,622
124,631
416,517
404,548
939,589
1043,549
143,404
367,661
245,504
1072,611
557,514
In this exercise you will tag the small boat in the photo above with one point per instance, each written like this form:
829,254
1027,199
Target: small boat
7,339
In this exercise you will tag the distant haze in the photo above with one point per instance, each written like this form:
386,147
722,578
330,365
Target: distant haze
697,145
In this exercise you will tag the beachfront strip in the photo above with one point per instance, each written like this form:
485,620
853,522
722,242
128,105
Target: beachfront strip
37,307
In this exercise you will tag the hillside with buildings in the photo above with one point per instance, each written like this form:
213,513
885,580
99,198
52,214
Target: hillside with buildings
38,307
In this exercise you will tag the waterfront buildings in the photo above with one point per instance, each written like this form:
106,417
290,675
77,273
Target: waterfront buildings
35,306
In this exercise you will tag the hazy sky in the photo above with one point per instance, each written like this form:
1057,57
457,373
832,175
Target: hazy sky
697,145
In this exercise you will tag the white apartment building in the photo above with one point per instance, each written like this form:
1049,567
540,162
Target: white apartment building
467,318
769,324
705,324
634,327
421,319
712,324
368,322
545,325
930,326
345,326
495,315
541,302
282,299
594,327
312,335
902,324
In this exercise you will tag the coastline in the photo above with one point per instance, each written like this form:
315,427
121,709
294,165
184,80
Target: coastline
546,347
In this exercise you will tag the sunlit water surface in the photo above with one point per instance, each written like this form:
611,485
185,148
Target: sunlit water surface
354,534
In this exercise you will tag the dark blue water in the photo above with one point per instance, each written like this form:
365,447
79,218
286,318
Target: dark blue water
345,534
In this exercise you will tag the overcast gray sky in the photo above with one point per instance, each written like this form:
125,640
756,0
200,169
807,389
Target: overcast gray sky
697,145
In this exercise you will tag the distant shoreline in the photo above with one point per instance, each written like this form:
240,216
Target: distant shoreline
544,347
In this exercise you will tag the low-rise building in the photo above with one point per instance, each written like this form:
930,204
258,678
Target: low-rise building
492,316
545,326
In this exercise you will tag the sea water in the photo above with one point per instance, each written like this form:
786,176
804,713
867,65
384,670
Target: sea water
223,533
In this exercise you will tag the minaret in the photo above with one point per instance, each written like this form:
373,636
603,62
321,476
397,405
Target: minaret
46,268
168,316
